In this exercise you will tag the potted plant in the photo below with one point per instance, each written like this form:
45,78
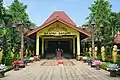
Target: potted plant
89,60
21,65
2,70
31,59
118,73
98,63
25,61
36,58
16,65
84,59
113,68
93,64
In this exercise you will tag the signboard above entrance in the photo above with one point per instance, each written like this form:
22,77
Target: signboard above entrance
57,28
57,33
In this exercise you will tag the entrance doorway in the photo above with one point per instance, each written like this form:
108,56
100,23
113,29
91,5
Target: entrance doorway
52,45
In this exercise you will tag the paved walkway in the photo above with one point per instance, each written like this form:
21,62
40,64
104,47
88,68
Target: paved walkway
79,71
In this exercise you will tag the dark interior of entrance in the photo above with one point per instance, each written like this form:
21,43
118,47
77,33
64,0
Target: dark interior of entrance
52,45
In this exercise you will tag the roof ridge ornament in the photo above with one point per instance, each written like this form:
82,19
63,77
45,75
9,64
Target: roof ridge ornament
57,17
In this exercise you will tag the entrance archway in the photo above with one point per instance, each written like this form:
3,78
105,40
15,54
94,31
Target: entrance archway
52,45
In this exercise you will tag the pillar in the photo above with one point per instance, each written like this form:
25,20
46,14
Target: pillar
73,47
42,47
70,44
37,45
78,46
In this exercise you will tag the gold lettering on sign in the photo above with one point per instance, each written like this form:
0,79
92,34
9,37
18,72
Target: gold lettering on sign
57,33
57,28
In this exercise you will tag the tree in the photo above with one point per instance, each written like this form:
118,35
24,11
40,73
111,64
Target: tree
18,11
100,12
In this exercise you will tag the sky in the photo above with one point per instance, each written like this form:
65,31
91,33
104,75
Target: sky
77,10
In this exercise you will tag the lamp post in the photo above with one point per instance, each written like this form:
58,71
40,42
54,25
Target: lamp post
20,25
93,46
12,40
102,32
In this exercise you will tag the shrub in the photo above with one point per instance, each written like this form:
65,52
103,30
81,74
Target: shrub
118,62
8,68
99,57
86,54
105,65
8,61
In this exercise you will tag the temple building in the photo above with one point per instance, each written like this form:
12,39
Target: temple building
58,31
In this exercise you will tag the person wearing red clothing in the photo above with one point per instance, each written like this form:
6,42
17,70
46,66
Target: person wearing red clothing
59,53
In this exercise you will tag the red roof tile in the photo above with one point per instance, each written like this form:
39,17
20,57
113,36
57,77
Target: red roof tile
60,15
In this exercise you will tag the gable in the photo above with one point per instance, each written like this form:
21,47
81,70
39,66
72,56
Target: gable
57,28
56,17
60,15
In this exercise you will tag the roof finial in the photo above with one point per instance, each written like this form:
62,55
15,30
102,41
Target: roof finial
57,17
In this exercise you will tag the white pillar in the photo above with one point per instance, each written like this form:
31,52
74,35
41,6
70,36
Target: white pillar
37,45
42,47
78,45
74,47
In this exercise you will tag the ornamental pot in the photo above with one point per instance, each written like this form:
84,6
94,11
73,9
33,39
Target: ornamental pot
89,63
16,67
98,67
113,73
2,74
84,61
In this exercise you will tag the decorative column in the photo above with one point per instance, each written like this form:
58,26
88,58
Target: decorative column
73,47
37,45
78,46
42,47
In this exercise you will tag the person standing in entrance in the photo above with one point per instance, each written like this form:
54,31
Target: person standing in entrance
59,53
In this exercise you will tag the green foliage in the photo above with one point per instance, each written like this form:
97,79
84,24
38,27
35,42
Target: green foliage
11,37
105,65
8,61
101,12
109,59
0,62
118,60
8,68
86,54
99,57
18,11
